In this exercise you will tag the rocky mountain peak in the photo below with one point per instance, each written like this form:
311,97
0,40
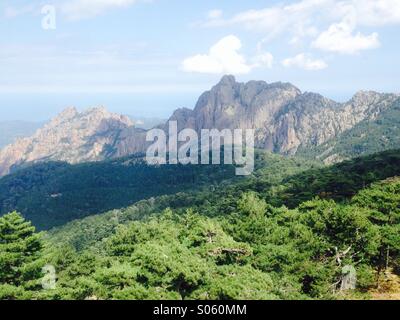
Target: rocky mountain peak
98,112
65,115
365,97
227,80
71,136
369,104
231,104
185,118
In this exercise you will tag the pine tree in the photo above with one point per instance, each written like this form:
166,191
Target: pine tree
20,247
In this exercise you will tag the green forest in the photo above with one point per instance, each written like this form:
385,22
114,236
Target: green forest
53,193
294,229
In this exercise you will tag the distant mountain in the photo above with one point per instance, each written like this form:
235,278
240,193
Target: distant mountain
372,135
10,131
71,136
286,121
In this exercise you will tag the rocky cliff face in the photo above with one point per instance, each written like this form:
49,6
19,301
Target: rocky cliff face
285,120
236,105
71,136
311,119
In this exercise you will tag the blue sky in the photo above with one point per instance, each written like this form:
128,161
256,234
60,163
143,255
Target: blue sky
149,57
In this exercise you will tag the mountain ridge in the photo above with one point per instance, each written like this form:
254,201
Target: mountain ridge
285,120
369,136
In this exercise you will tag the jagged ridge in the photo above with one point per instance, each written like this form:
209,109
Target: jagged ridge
285,119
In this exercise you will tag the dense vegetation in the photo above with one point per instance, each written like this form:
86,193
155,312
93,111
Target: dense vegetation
256,252
51,194
232,241
267,182
20,257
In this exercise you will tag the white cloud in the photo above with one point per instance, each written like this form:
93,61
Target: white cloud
304,62
376,12
339,38
224,57
281,17
265,59
83,9
303,20
277,19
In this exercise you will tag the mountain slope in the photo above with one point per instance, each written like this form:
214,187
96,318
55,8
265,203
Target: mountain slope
252,251
53,193
278,180
367,137
255,251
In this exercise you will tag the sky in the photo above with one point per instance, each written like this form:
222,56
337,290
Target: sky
148,57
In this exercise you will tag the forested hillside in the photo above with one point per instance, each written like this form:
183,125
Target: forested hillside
158,249
230,240
51,194
278,181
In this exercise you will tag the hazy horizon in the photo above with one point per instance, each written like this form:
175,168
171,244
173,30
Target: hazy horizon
141,106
